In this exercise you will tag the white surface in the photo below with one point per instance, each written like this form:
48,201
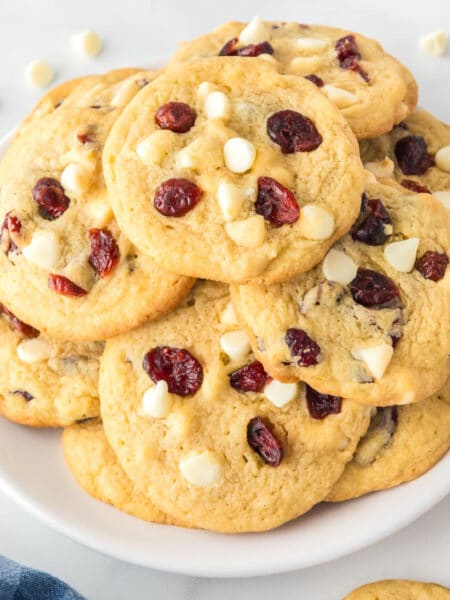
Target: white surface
138,29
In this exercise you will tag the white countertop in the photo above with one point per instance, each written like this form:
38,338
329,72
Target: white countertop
134,32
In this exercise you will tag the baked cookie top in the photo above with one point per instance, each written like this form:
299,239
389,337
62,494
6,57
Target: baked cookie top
229,171
370,322
371,88
401,444
59,241
46,382
186,408
399,589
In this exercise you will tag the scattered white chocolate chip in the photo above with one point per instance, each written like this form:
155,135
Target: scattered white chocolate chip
39,73
217,106
433,43
443,197
442,159
99,212
34,350
280,393
402,255
75,178
228,316
310,45
249,233
185,158
201,468
230,198
376,358
382,168
155,147
342,98
255,32
156,401
44,250
236,344
339,267
239,154
204,89
87,43
316,223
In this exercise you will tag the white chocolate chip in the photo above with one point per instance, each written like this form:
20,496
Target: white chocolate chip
87,43
442,159
204,89
231,199
376,358
339,267
44,250
99,213
255,32
311,45
186,158
126,92
342,98
249,233
382,168
201,468
155,147
228,316
305,65
39,73
34,350
370,177
217,106
156,401
280,393
443,197
402,255
316,223
75,178
236,344
239,154
434,43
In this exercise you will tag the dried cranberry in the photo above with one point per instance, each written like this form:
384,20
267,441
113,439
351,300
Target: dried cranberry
65,287
432,265
10,228
276,203
105,253
352,63
25,395
415,186
371,225
315,79
15,323
86,135
261,439
301,345
229,48
251,378
251,50
346,47
321,405
176,197
293,132
412,155
50,196
175,116
374,290
182,371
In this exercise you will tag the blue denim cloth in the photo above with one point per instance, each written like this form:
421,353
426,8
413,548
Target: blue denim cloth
21,583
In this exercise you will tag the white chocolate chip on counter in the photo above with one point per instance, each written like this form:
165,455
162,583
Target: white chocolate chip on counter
39,73
443,197
34,350
280,393
201,468
316,223
236,344
339,267
75,178
310,45
381,168
228,316
154,148
239,154
249,233
376,358
402,255
217,106
434,43
230,199
156,401
442,159
44,250
86,43
255,32
342,98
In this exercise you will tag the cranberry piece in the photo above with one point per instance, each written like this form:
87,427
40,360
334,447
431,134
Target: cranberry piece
104,254
346,47
321,405
412,155
65,287
315,79
50,196
303,347
229,48
15,323
261,439
352,63
182,371
10,228
370,227
293,132
374,290
432,265
176,197
250,378
25,395
276,203
251,50
415,186
175,116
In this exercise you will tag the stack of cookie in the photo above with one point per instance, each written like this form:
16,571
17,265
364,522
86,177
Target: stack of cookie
235,309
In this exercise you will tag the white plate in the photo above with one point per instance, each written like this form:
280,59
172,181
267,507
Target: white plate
33,473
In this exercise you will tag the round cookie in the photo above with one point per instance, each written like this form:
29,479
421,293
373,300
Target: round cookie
221,200
59,240
179,412
401,444
372,89
46,382
371,322
95,467
399,589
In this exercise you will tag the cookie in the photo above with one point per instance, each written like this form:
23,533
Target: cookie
401,444
399,589
229,171
371,322
59,241
208,437
47,382
370,87
94,466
